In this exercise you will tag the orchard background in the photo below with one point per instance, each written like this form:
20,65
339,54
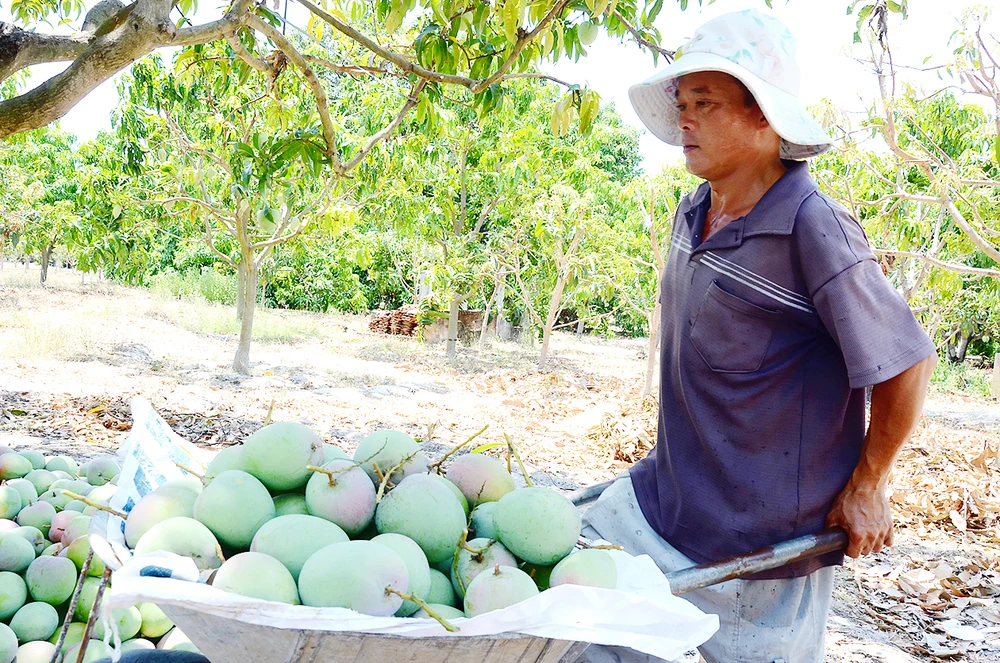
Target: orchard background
271,176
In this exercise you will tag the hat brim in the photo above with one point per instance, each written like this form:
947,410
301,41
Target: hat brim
655,102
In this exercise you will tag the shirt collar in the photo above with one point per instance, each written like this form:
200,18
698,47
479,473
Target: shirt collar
774,213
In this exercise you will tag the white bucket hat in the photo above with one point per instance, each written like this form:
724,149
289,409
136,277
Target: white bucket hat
757,49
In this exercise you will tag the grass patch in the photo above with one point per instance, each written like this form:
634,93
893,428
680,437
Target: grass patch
15,276
268,325
32,339
208,285
962,379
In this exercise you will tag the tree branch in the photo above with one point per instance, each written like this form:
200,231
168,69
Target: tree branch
522,41
642,41
976,238
324,196
384,53
322,103
411,101
188,145
943,264
899,195
243,54
216,212
147,28
545,77
210,242
350,69
484,214
20,48
590,318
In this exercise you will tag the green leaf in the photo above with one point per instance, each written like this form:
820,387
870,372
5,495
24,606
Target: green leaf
511,16
589,106
437,8
654,11
486,447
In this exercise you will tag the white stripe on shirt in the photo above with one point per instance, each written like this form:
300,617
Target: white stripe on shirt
760,279
722,269
750,279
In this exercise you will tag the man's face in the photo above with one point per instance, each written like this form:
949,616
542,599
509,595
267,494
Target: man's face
718,130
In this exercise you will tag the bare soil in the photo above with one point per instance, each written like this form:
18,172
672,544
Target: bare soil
72,356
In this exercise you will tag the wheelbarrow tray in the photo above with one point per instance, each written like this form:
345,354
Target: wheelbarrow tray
225,640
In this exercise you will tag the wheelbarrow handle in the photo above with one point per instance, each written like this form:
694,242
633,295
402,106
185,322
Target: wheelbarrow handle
762,559
589,493
738,566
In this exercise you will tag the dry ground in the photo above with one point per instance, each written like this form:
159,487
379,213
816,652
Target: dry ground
73,354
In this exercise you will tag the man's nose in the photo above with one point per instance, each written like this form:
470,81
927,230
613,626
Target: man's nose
684,121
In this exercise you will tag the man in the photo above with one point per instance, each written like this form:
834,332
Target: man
776,317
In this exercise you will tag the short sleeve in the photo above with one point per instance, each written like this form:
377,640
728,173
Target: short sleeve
869,321
872,325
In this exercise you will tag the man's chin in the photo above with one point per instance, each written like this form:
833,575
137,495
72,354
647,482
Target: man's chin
694,165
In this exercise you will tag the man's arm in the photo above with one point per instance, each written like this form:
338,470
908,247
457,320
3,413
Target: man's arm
862,508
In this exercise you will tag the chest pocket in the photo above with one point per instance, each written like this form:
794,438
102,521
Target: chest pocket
731,334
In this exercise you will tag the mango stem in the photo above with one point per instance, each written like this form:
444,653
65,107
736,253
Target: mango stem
436,466
97,505
517,457
583,543
448,626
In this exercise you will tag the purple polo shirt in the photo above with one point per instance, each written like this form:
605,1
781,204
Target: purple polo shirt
771,329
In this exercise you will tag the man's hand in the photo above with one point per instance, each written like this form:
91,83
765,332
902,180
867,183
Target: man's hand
862,508
863,512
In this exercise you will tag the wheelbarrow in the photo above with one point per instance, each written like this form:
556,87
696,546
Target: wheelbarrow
225,640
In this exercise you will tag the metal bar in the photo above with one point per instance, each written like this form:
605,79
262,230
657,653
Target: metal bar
763,559
589,493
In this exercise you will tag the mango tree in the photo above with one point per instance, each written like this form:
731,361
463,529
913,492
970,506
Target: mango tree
48,188
542,248
929,205
228,155
467,45
454,182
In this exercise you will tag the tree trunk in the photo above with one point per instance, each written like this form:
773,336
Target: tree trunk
496,296
46,253
550,321
995,387
654,341
579,328
246,299
956,351
961,348
241,283
452,350
503,324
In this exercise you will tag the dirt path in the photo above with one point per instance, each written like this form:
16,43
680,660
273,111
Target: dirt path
72,356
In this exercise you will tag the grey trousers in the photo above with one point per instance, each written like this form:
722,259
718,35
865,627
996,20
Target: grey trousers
761,621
